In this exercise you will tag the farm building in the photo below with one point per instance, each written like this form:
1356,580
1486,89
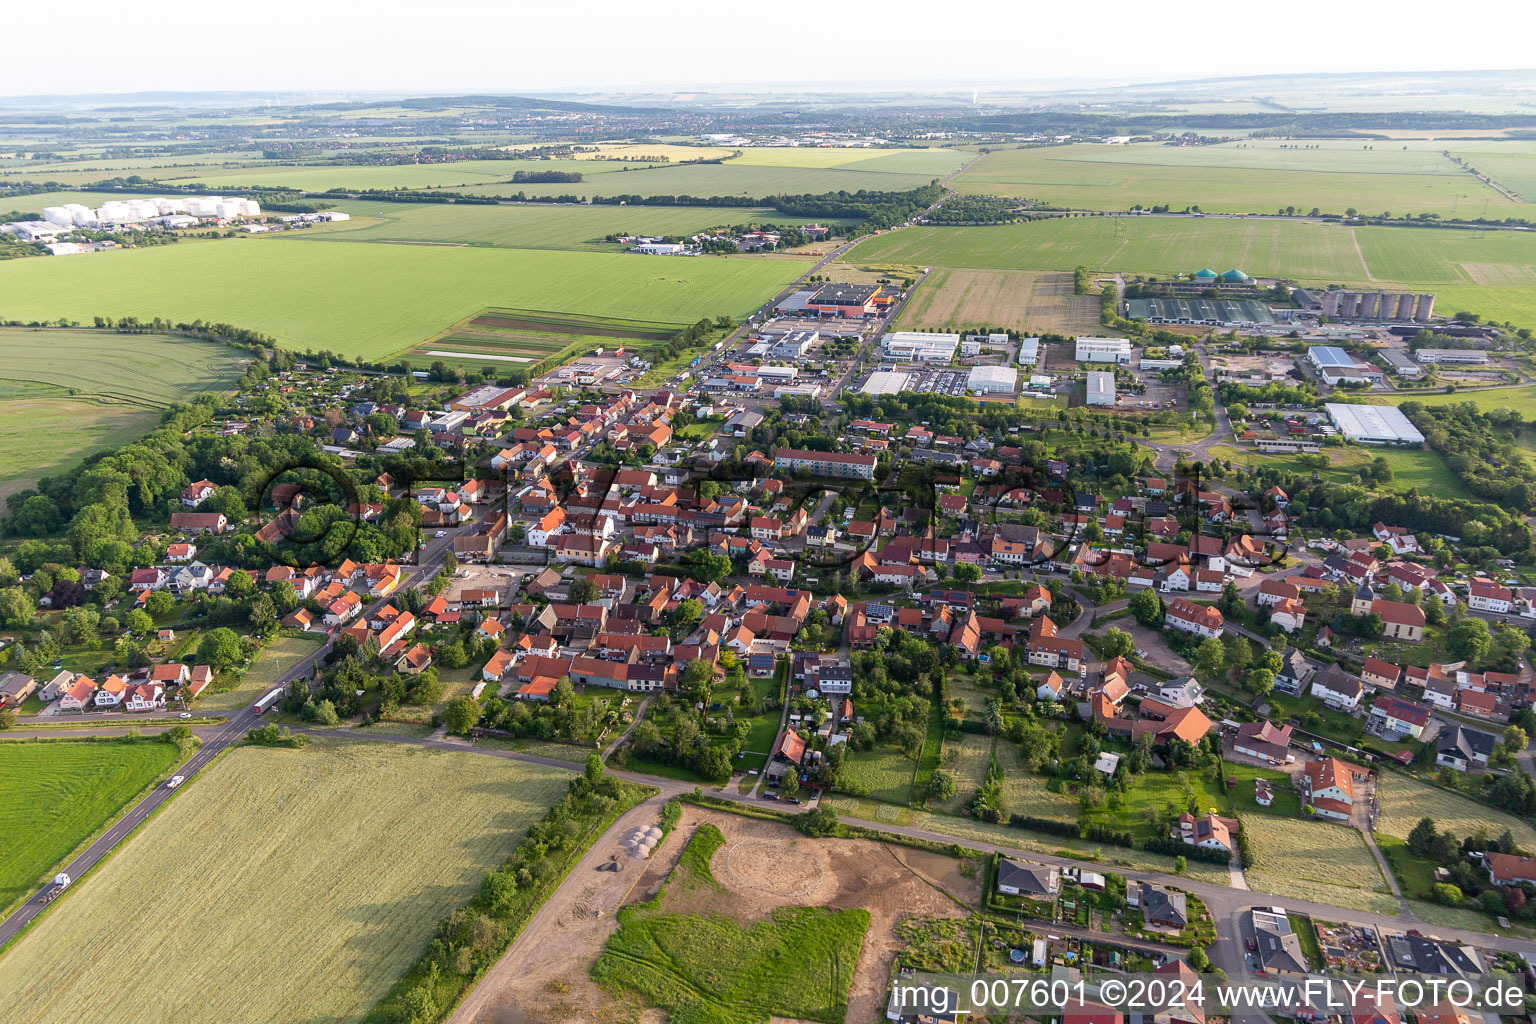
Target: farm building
1206,312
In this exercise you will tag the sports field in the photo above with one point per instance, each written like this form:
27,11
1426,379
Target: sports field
61,793
1255,176
373,301
1492,272
964,300
532,226
65,394
341,858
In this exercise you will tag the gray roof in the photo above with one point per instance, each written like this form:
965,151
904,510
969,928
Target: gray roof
1279,951
1164,906
1029,879
1463,743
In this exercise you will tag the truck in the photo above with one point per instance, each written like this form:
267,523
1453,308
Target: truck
53,889
262,705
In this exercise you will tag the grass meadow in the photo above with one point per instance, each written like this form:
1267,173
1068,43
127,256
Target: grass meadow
1314,860
61,793
528,226
883,773
1404,801
733,178
1411,468
278,657
1245,177
67,394
340,857
373,301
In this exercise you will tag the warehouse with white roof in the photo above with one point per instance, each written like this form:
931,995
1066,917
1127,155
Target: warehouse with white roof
993,380
1374,424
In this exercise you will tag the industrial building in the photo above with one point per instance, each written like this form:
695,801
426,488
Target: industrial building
1101,388
885,382
1399,363
1324,356
795,344
144,211
1374,424
846,300
1103,350
1374,305
993,380
1029,351
1464,356
659,248
1203,312
920,346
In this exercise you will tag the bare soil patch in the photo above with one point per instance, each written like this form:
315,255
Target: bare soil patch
762,865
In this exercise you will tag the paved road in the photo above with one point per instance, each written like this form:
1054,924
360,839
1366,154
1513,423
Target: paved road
213,745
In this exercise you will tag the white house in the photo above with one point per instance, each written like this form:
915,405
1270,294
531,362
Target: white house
1485,597
1200,619
1336,689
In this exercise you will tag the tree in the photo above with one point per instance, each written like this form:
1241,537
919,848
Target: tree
1210,656
239,585
941,785
967,572
1179,864
1447,893
1147,607
789,785
594,771
79,625
1117,643
1469,640
16,607
138,622
1261,681
462,712
219,648
1421,838
325,713
1199,960
820,822
1515,739
159,604
715,763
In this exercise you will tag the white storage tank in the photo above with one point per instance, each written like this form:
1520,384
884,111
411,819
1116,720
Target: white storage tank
169,206
112,211
59,215
252,208
203,207
82,216
229,209
143,209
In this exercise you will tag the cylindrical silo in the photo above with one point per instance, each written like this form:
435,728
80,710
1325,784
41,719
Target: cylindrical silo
1331,303
229,209
1367,308
251,207
82,216
202,206
1426,307
1405,306
1384,307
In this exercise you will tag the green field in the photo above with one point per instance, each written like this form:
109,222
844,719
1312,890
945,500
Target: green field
1247,177
1411,467
67,394
1491,272
883,773
341,857
373,301
61,793
528,226
1520,399
734,178
278,657
723,970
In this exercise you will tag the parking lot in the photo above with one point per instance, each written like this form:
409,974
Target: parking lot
939,382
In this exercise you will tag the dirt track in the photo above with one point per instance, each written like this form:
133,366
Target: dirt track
762,865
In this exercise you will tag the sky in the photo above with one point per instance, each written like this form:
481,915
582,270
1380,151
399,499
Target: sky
93,46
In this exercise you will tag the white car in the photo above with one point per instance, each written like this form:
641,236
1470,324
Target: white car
185,714
175,781
441,533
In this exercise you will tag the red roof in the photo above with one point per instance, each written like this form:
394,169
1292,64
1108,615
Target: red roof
793,746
